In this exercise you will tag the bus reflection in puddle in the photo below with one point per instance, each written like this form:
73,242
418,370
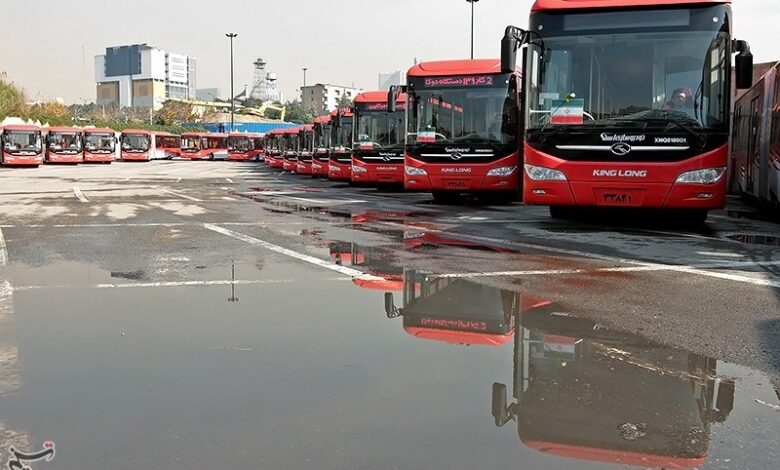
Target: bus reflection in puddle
581,391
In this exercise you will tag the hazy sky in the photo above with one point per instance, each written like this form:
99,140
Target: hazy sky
340,41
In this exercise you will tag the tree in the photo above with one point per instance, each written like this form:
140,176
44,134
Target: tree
345,102
297,113
12,101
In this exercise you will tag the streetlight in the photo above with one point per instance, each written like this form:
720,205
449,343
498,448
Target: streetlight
304,76
232,96
472,25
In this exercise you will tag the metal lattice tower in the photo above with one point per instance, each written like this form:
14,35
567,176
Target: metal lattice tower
263,88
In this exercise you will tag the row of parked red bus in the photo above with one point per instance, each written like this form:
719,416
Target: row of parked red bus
28,145
581,122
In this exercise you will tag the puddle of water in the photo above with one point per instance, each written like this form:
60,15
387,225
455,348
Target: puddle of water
755,239
313,374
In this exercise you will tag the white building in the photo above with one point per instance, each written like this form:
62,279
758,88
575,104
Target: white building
322,98
143,76
388,79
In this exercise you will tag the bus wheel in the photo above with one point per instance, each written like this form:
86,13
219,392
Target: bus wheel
446,197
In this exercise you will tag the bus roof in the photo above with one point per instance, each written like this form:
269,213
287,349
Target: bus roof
371,97
21,128
344,113
99,130
292,130
552,5
64,129
278,132
622,457
193,134
456,67
307,128
214,135
241,134
323,119
459,337
137,131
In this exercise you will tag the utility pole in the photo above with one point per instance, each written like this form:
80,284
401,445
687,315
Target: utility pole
232,96
472,25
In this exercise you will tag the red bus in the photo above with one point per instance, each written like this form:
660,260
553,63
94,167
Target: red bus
322,136
628,103
99,145
215,146
168,145
576,384
258,144
375,261
306,138
192,146
340,161
64,145
463,129
241,146
138,145
290,147
273,146
756,143
378,153
22,145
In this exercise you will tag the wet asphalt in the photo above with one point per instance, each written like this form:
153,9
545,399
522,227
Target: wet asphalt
213,315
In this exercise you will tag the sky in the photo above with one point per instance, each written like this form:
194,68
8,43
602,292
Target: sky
48,46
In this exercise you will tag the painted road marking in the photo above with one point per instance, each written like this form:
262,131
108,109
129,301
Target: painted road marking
293,254
156,224
79,194
229,180
3,251
174,193
149,285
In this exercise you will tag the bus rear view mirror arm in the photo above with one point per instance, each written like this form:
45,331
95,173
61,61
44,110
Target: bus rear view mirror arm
392,96
514,39
743,65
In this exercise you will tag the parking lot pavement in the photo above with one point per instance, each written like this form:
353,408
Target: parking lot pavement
181,277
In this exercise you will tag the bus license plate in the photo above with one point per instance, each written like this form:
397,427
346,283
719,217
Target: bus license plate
457,184
619,197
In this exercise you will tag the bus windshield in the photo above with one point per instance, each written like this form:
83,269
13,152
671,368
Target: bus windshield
344,133
463,110
239,144
66,142
380,129
138,142
100,142
615,75
19,141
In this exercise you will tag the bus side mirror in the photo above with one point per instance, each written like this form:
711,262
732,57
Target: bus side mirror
509,45
499,407
743,65
391,98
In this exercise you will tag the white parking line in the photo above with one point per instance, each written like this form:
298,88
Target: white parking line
174,193
147,285
3,251
293,254
79,194
229,180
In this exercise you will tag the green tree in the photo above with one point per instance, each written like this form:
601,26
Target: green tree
345,102
12,101
297,113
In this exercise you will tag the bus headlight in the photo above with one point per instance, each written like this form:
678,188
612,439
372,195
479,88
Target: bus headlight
706,176
412,171
358,169
503,171
333,168
540,173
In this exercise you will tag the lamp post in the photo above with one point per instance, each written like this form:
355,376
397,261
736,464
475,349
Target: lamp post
472,25
304,76
232,96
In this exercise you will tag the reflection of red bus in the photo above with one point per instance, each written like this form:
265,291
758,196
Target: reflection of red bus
378,152
306,139
603,129
290,145
22,145
99,145
340,163
168,145
64,145
322,135
375,261
587,393
241,146
455,310
756,146
137,145
463,129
